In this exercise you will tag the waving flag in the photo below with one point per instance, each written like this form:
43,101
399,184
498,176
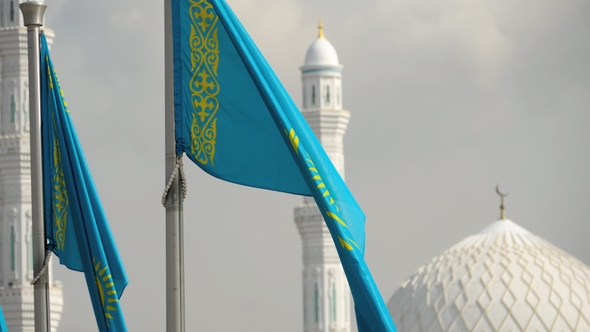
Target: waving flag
3,327
76,226
235,120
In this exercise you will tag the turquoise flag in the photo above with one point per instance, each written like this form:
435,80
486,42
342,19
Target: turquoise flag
235,120
3,327
76,226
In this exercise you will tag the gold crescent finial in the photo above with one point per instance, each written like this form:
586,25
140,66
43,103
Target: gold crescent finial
502,213
320,28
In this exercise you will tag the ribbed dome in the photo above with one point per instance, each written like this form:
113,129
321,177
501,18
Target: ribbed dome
502,279
321,53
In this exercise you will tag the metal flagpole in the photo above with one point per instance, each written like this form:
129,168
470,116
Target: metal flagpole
174,231
33,12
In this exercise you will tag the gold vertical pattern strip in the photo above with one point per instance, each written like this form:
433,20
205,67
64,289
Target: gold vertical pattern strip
204,86
60,196
60,193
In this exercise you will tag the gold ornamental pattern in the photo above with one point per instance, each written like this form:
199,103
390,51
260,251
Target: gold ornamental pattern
60,194
204,86
60,197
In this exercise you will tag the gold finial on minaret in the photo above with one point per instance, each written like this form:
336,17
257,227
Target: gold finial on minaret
502,212
320,28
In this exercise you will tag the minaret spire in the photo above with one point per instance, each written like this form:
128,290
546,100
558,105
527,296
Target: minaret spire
502,212
326,294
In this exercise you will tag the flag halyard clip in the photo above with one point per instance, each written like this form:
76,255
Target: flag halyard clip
178,168
44,269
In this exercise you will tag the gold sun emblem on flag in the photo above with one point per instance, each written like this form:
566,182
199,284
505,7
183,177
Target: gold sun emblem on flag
106,289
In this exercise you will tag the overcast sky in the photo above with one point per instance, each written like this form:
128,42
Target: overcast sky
448,99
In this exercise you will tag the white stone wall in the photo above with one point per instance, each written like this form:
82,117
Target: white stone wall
322,89
325,290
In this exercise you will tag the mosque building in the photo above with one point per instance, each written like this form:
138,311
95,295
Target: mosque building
502,279
16,262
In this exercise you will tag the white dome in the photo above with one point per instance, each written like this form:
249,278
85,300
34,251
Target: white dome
502,279
321,53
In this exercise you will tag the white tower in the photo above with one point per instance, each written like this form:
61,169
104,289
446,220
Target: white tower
326,295
16,264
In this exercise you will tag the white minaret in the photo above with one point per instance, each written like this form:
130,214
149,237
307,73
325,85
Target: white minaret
16,263
326,295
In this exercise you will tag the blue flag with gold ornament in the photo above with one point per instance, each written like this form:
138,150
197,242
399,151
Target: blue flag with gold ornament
3,327
235,120
76,226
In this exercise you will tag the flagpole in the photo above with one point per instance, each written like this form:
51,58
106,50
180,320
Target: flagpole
174,232
33,12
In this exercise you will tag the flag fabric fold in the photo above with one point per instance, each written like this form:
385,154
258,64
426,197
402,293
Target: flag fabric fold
77,229
3,327
235,120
